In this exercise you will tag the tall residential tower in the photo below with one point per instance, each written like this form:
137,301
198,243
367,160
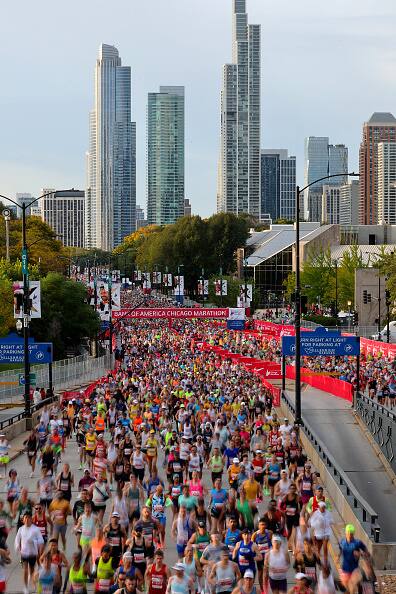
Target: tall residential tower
381,127
165,156
239,162
111,161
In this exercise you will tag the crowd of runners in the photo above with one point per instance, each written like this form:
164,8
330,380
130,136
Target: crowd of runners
190,484
377,372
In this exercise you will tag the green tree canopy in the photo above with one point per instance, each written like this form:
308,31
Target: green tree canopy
66,317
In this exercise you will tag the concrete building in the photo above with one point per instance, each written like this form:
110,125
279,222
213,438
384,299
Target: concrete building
381,127
278,184
187,207
111,159
321,159
239,160
386,183
64,212
141,221
331,196
349,203
165,156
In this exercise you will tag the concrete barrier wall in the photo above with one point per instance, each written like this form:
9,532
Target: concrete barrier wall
384,554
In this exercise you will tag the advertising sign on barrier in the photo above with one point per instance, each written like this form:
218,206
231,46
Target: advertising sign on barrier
235,324
322,343
171,313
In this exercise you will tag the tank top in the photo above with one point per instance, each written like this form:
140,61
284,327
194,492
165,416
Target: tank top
310,567
138,461
77,579
179,586
231,538
87,526
42,524
65,483
306,485
138,552
114,538
104,574
158,506
196,489
225,578
157,580
46,581
245,557
202,541
277,565
100,424
263,541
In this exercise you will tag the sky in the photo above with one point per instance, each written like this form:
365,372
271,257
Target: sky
326,67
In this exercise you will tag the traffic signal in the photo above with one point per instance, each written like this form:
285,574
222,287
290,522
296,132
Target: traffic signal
387,298
369,297
355,318
365,297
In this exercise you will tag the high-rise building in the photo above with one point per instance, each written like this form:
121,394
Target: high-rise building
278,184
187,207
165,156
111,159
386,183
23,197
349,203
381,127
331,204
64,212
141,220
322,159
238,188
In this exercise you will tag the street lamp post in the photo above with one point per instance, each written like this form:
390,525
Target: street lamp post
297,324
7,216
379,305
349,315
26,303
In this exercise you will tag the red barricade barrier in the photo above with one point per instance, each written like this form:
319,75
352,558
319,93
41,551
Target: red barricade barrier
375,347
334,386
256,366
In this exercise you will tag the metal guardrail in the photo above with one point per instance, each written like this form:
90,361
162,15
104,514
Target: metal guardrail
381,422
65,373
19,416
359,504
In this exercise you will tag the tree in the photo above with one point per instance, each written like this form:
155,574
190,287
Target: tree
66,317
317,277
6,306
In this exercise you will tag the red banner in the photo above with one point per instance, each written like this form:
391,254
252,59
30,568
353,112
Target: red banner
256,366
375,347
328,384
276,329
176,313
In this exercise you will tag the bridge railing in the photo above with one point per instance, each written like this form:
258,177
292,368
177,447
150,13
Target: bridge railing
360,506
381,422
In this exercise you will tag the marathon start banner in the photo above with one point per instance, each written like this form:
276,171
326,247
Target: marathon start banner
175,313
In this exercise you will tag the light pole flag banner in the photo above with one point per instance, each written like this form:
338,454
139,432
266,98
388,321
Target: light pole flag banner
34,296
220,287
168,281
179,285
146,280
156,278
245,295
203,287
172,313
116,296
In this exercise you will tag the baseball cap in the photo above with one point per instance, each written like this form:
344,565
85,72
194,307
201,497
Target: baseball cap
259,451
235,461
115,515
276,538
318,488
322,504
248,574
300,576
178,567
152,431
350,528
201,524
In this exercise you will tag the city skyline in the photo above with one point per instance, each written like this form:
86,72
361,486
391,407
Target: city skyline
290,110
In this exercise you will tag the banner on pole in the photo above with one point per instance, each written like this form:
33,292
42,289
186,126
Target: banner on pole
203,287
220,287
34,297
179,285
